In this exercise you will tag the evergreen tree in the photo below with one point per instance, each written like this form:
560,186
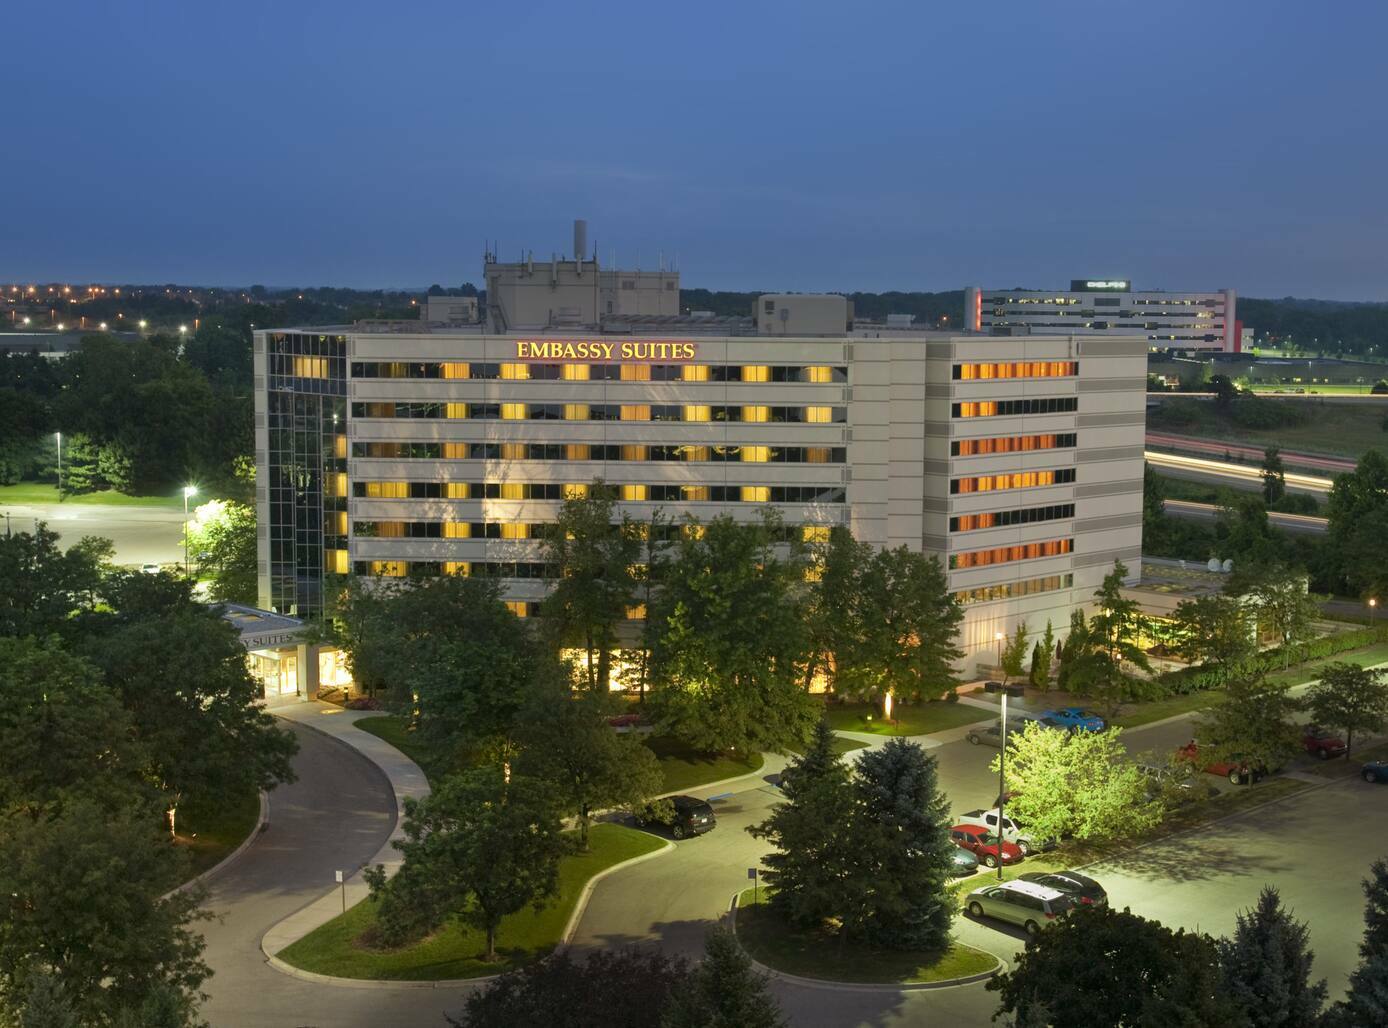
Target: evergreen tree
723,992
1014,653
1042,654
896,895
1367,1000
1266,967
1274,476
813,854
45,1004
1375,941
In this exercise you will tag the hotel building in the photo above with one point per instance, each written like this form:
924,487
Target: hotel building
1109,307
398,450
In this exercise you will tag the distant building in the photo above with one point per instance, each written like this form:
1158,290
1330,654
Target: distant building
1169,321
449,310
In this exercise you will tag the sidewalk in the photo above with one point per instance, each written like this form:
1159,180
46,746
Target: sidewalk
407,781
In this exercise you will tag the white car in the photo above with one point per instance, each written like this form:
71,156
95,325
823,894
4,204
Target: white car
151,569
1027,904
1012,831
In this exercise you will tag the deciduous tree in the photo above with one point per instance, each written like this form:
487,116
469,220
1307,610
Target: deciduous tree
1014,653
908,621
1097,661
1252,722
42,586
1350,698
478,848
222,542
1213,630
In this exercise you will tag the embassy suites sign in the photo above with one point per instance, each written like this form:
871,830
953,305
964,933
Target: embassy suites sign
601,350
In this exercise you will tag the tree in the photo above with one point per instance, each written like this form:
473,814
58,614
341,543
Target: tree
897,895
478,848
1098,659
62,731
723,991
1212,630
832,614
907,624
567,743
222,542
623,988
1075,643
1014,653
1266,967
1082,784
180,672
1252,722
813,853
87,901
42,586
1283,606
1367,1001
1350,698
594,552
1101,967
1042,655
1274,476
731,640
1357,510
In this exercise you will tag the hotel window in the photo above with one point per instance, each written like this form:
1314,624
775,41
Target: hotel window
694,493
455,369
575,491
576,412
633,493
340,447
1008,590
514,412
1016,369
457,567
458,490
636,412
577,451
756,373
819,373
756,413
512,491
697,453
457,530
310,367
520,608
514,451
815,533
636,373
338,524
819,415
992,408
635,452
756,493
1003,518
1011,480
1011,444
818,455
515,371
698,412
337,484
575,373
456,410
389,568
694,373
456,451
1008,554
515,530
339,562
692,531
387,490
756,454
637,613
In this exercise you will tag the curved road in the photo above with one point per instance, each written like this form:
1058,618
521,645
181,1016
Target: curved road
337,815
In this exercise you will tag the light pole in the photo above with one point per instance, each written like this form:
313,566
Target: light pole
188,490
997,637
1373,609
60,465
1006,690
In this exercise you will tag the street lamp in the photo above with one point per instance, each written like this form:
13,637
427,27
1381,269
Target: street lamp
188,490
1006,690
998,637
1373,609
60,464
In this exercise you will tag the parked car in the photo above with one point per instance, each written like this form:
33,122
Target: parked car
1375,771
1235,768
1084,890
1321,743
1012,830
1021,903
688,816
151,569
985,845
992,735
624,720
963,863
1074,719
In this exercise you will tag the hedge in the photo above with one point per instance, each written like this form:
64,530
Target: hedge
1207,676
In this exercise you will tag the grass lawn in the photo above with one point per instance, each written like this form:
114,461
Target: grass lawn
1369,655
209,835
1155,710
1344,429
42,492
395,731
455,951
687,768
818,954
911,719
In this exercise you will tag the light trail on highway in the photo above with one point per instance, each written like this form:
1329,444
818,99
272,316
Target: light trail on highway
1301,524
1238,472
1253,453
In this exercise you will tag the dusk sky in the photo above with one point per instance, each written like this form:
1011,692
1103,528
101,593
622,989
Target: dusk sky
787,146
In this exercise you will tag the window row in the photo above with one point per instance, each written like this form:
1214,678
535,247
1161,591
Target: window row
1011,590
1011,480
999,408
1008,554
1017,369
603,452
813,373
1004,518
630,493
1011,444
813,415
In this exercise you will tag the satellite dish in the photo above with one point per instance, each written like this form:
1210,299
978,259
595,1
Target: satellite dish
1213,564
1228,566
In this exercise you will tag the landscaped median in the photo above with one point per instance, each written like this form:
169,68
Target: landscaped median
342,947
907,718
822,956
210,836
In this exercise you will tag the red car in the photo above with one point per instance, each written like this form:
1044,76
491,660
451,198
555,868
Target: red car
1320,743
1239,772
984,845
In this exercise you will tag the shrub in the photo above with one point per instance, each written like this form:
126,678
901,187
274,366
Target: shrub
1253,412
1215,676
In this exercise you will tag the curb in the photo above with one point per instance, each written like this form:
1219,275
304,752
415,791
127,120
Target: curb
580,906
758,773
262,822
867,987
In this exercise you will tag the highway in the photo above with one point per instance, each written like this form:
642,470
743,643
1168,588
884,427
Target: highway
1235,476
1301,524
1254,454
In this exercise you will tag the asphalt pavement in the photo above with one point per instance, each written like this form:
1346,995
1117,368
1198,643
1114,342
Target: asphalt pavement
142,535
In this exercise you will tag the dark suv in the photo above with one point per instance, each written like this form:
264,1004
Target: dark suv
688,816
